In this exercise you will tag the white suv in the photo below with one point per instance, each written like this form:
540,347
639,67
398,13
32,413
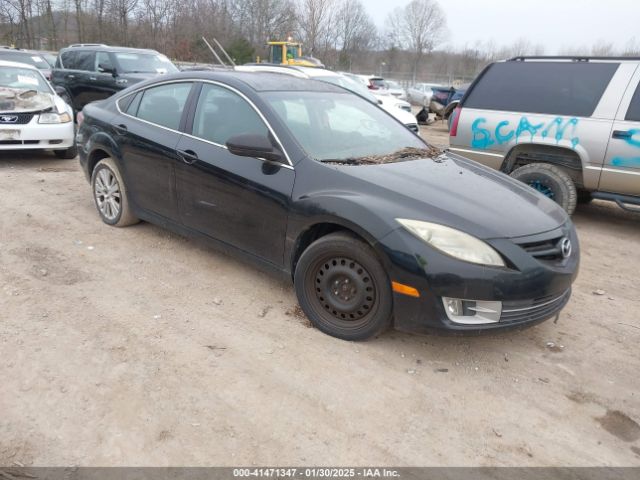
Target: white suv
32,116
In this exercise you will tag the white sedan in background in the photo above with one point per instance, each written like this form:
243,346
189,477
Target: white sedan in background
394,107
32,116
395,89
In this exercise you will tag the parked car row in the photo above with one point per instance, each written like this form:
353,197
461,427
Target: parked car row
287,167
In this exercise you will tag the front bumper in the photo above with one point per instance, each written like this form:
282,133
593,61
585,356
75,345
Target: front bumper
530,289
37,136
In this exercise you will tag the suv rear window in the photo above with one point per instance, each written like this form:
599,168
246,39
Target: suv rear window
556,88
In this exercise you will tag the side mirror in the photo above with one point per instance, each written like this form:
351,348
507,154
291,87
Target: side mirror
105,69
258,146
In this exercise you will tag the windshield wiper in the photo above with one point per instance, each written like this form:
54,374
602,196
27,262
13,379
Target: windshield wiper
408,153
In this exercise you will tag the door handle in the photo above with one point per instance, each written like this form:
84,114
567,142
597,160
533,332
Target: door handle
121,129
188,156
622,134
71,76
92,78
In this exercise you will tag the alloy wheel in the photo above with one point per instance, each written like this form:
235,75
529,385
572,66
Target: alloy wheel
107,193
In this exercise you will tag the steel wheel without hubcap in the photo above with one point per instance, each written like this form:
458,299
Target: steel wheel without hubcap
107,193
343,288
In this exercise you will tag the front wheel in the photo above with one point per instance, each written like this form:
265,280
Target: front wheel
67,154
110,194
343,288
551,181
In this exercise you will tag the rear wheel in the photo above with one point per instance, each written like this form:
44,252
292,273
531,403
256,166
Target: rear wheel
551,181
110,194
343,288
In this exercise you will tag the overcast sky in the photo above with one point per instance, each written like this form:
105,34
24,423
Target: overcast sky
556,24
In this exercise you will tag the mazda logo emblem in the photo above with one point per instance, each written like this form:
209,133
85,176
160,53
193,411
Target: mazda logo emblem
8,118
565,247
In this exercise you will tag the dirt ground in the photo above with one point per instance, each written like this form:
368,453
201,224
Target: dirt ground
139,347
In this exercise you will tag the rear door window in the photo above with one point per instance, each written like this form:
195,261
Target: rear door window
555,88
69,60
633,113
163,105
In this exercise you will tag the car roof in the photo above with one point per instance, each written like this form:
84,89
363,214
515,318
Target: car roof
257,81
264,68
6,63
106,48
569,59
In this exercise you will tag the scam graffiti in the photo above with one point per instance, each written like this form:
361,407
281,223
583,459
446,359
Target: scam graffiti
561,128
634,141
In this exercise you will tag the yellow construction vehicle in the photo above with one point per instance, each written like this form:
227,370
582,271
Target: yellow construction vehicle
290,53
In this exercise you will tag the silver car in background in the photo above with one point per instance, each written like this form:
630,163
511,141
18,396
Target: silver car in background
420,94
568,127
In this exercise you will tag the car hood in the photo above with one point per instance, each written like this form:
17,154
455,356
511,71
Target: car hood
18,100
451,190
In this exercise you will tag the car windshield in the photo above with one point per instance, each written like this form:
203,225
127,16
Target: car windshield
393,85
23,78
131,62
50,58
378,82
34,59
340,127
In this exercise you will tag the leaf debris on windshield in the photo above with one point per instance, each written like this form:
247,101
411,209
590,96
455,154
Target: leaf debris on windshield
408,153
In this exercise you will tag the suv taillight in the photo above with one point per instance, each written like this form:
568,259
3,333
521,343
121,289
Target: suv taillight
453,131
79,118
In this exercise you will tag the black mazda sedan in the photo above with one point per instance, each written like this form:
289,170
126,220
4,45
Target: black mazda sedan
376,228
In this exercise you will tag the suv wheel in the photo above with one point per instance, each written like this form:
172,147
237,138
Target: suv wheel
110,194
551,181
343,288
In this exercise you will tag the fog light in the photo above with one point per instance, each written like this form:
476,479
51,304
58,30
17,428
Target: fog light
472,312
454,306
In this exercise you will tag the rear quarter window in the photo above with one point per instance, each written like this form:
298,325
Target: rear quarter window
555,88
633,113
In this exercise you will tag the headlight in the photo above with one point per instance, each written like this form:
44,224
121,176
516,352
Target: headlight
453,242
54,118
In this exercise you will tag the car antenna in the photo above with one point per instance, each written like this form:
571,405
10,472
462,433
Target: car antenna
215,54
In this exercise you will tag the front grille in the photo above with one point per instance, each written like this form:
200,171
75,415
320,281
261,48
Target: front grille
15,118
533,310
545,250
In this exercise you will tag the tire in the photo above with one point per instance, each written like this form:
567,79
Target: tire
112,203
336,265
67,154
584,197
551,181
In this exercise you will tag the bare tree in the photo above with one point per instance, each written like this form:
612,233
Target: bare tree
355,30
263,20
314,23
419,27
